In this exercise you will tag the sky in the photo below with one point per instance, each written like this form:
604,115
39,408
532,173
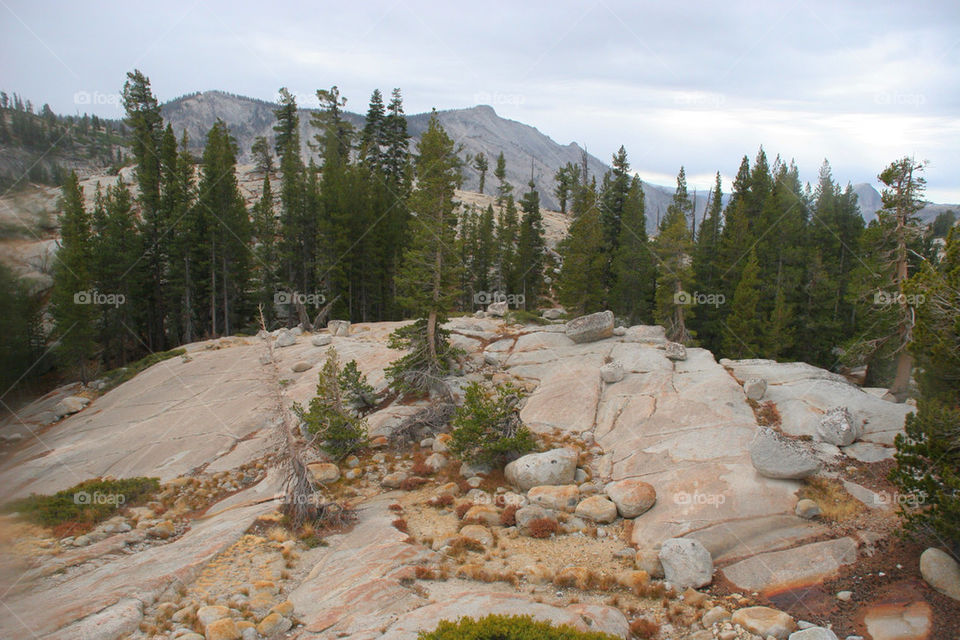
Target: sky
698,84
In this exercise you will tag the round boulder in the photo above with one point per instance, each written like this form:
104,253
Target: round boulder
597,509
838,427
555,467
775,456
941,572
686,563
562,498
765,622
324,472
633,497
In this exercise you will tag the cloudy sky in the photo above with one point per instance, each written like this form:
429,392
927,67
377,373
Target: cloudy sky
698,84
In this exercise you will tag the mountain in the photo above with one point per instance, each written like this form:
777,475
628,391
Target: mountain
871,202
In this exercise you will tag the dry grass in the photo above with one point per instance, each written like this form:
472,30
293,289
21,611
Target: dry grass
412,483
836,504
542,527
441,501
462,509
644,629
508,517
766,413
278,534
401,525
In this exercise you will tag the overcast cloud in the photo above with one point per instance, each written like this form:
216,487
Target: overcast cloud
692,83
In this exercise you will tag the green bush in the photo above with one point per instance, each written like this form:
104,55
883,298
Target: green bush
494,627
416,372
87,503
488,430
339,431
355,387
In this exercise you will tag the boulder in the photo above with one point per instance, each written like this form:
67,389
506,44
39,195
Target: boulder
273,625
838,427
223,629
497,309
754,388
941,572
324,472
441,444
675,351
765,622
807,509
209,614
482,513
553,314
477,533
899,621
632,496
612,372
555,467
591,328
393,480
713,616
285,338
300,367
321,340
775,456
813,633
70,405
436,461
686,563
597,509
163,530
559,498
649,560
526,515
339,327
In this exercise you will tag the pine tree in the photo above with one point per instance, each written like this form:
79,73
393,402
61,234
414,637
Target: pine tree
287,138
481,165
673,247
744,333
72,304
146,123
531,247
397,161
706,271
634,272
186,252
262,158
583,267
373,139
428,277
485,252
504,188
566,179
265,249
507,233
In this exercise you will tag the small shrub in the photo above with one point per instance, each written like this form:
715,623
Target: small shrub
396,508
412,483
462,509
85,504
420,467
488,430
340,432
767,414
497,627
355,387
508,517
542,527
401,525
521,316
644,629
441,501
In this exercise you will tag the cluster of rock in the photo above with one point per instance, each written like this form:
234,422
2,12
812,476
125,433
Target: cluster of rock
252,613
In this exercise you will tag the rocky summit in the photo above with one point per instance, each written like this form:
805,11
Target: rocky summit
669,474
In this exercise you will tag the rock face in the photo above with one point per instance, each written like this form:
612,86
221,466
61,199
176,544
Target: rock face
675,351
555,467
839,428
801,566
686,563
497,309
775,456
941,572
612,372
633,497
591,328
765,622
285,338
597,509
339,327
754,388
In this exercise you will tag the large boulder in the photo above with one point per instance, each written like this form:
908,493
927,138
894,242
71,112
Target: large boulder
324,472
70,405
941,572
559,498
339,327
775,456
497,309
686,563
555,467
765,622
675,351
591,328
285,338
838,427
321,340
597,509
632,496
553,314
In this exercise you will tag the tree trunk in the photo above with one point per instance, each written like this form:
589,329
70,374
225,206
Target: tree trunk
226,302
187,304
901,382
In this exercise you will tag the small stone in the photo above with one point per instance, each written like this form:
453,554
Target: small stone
686,563
339,327
765,621
807,509
435,462
482,513
844,596
285,338
475,481
426,443
351,461
274,624
285,609
300,367
711,617
162,531
648,560
838,427
441,444
633,497
612,372
559,498
207,615
813,633
223,629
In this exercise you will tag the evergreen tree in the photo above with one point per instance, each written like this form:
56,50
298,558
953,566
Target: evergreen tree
674,247
397,161
72,302
485,251
481,165
287,127
744,333
566,179
581,276
531,247
20,326
634,272
262,158
146,123
428,277
706,272
504,189
373,139
186,250
265,251
507,233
